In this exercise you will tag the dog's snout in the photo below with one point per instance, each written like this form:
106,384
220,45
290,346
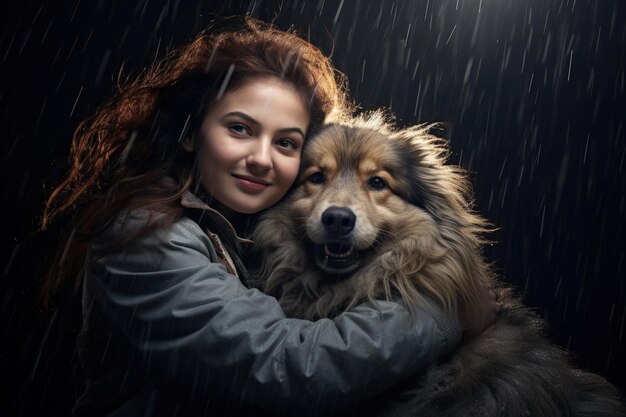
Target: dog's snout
338,221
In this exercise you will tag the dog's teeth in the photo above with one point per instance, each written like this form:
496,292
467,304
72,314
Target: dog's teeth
338,255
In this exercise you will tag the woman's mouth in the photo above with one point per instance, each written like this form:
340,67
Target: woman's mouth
251,184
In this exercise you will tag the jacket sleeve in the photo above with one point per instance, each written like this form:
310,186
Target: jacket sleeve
192,317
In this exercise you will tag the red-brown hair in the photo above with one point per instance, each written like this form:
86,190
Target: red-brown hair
121,154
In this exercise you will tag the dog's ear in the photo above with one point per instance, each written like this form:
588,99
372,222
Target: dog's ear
423,156
411,163
418,194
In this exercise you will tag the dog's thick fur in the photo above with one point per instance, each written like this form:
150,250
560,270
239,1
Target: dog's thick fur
378,214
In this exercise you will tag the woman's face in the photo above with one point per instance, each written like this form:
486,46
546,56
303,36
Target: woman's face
249,145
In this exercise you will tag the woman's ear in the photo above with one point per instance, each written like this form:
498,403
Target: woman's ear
188,144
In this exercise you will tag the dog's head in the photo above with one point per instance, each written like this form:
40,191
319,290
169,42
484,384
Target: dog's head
355,187
375,203
364,186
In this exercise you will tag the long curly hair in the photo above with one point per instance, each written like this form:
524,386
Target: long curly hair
121,154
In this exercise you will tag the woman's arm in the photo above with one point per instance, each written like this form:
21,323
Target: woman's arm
194,320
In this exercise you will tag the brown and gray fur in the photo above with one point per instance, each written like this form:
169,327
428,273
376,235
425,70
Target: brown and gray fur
415,236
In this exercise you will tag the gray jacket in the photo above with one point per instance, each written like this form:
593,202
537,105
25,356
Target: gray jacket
167,330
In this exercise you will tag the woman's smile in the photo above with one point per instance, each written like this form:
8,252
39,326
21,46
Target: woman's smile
251,184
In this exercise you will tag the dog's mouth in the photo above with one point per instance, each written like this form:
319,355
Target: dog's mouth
337,257
338,250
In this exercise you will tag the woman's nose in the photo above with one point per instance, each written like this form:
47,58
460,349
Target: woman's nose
260,155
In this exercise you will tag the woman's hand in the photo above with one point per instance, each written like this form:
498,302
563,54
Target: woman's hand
484,316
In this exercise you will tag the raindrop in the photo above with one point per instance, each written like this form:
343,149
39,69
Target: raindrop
76,101
338,11
103,64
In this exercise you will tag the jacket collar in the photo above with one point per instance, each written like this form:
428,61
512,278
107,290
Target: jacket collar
191,201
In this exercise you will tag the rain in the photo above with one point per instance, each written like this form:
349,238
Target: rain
530,93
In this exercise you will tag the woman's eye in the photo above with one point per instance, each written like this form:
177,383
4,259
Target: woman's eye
287,143
376,183
317,178
239,128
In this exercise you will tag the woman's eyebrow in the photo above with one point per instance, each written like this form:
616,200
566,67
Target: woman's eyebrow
292,129
253,121
241,115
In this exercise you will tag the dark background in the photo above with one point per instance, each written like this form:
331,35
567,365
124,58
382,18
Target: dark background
532,93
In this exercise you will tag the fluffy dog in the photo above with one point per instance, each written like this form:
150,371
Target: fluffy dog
378,214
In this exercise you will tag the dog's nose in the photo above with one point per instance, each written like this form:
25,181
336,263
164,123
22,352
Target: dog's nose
338,221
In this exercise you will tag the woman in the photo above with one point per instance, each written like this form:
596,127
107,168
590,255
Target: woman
164,179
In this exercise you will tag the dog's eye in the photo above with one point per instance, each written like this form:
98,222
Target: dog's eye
376,183
317,178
